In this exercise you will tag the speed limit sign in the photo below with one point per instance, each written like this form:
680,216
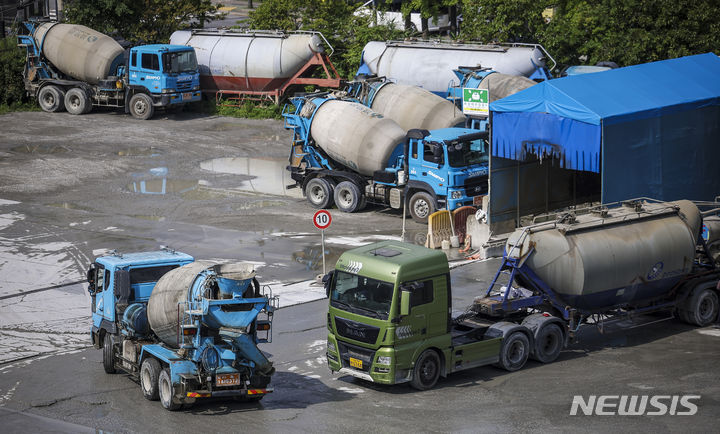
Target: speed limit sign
322,219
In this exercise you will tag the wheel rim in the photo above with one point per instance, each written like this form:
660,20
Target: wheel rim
74,101
427,371
145,380
317,194
345,197
48,99
165,390
516,352
140,107
706,308
421,208
550,343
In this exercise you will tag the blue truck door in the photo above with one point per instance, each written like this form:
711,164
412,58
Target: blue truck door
145,70
424,168
104,304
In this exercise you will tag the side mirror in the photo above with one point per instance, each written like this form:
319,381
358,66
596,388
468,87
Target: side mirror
404,303
437,154
91,279
327,280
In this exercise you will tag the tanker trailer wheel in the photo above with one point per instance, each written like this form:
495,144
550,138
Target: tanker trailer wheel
348,197
514,352
108,354
319,192
548,343
701,308
141,106
421,206
51,99
167,391
426,371
77,101
149,375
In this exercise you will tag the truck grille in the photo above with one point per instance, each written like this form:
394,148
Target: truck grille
184,85
356,331
347,351
476,186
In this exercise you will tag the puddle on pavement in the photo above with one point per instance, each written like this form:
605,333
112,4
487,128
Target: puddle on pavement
224,126
139,152
68,205
154,218
270,175
311,257
163,186
41,149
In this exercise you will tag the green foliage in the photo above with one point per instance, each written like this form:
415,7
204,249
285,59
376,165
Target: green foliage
503,20
347,33
249,110
12,61
149,21
631,31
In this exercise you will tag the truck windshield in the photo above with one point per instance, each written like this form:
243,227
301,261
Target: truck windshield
183,61
361,295
468,153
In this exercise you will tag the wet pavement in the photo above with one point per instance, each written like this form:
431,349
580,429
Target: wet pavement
75,187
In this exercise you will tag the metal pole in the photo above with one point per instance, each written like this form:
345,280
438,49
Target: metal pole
322,236
402,235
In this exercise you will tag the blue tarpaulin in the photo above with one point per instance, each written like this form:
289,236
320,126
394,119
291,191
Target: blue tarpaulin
650,130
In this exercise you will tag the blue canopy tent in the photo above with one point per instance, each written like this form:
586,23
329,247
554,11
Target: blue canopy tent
648,130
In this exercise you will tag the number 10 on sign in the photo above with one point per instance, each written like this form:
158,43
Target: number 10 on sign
322,220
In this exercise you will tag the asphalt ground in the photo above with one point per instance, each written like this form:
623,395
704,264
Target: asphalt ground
74,187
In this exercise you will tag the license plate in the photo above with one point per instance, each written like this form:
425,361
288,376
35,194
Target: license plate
227,380
356,363
477,200
187,95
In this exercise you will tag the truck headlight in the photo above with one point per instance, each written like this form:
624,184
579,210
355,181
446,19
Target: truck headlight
384,360
197,87
168,90
331,347
456,194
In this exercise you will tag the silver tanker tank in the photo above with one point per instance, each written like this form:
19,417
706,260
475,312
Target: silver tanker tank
352,134
612,257
248,60
413,107
78,51
502,85
187,284
430,65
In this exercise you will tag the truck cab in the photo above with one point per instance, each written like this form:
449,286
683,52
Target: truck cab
451,164
117,280
168,72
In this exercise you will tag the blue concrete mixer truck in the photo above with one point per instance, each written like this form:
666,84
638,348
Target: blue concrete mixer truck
72,67
345,153
187,329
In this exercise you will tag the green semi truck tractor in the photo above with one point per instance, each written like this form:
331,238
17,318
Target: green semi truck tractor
390,316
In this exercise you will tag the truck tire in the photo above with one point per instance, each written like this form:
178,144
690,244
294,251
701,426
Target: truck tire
701,309
319,192
51,99
421,206
76,101
548,343
347,197
167,391
108,355
426,371
141,106
149,375
514,352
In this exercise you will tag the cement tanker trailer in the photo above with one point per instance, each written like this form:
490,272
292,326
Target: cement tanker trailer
256,63
345,153
186,329
430,65
72,67
409,106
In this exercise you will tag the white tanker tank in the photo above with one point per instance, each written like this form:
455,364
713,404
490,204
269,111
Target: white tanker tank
409,106
249,60
430,65
78,51
611,257
353,134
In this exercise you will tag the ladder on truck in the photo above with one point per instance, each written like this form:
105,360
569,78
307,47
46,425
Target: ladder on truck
189,314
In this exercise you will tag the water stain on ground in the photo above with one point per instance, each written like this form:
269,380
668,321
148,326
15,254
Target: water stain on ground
163,186
269,174
68,205
139,152
41,149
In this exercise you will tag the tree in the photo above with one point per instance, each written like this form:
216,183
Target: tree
335,19
503,20
145,20
428,9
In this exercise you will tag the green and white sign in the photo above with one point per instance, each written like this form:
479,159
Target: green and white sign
476,102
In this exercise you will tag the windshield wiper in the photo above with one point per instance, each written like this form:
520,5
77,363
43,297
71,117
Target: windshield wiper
341,303
375,314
